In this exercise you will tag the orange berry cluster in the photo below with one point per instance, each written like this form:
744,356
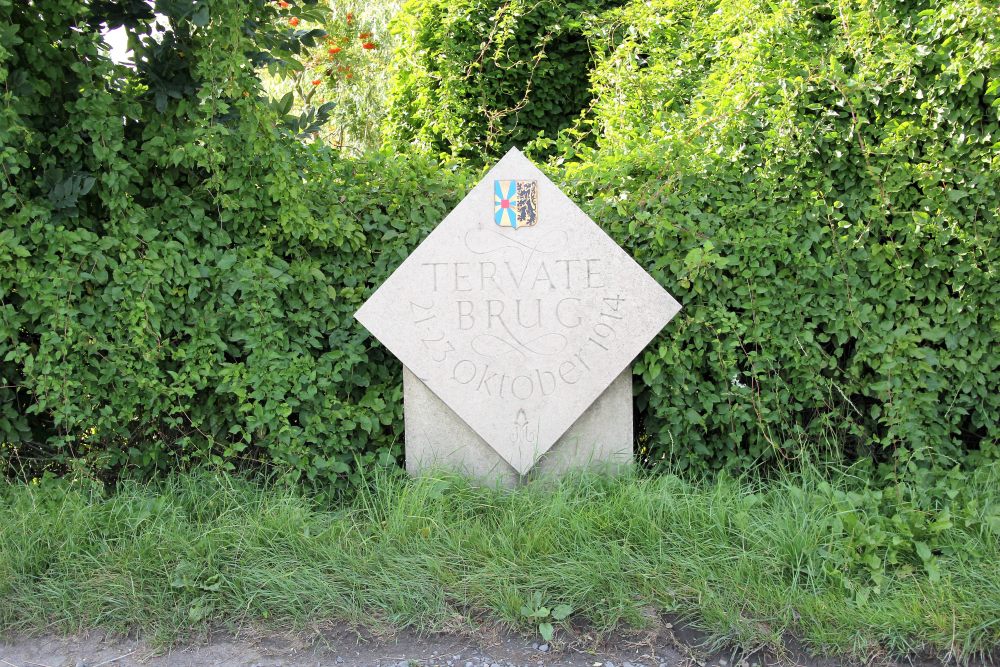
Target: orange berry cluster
333,48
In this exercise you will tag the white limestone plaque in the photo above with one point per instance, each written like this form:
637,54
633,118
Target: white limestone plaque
517,312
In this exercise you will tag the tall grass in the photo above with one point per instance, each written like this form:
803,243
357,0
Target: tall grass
741,560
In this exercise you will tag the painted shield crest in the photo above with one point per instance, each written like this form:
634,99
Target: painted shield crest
515,203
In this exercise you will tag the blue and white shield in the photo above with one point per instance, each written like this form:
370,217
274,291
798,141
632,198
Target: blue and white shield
515,203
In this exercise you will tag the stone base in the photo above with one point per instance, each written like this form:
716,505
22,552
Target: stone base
601,438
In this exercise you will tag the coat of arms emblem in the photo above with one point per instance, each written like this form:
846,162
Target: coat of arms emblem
515,203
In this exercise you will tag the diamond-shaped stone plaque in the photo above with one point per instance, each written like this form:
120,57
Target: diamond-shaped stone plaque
517,311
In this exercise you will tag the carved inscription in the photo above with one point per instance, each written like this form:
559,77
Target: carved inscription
507,315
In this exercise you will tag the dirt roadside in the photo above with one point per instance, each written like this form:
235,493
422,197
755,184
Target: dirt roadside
342,646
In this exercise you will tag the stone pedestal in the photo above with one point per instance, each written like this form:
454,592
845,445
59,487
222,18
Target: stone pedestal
436,438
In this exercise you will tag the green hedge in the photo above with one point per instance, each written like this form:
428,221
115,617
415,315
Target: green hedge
178,288
819,186
475,77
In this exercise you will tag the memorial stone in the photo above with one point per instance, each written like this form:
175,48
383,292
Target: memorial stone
516,320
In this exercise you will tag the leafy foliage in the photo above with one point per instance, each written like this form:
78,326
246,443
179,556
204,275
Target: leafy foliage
179,272
818,186
475,77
